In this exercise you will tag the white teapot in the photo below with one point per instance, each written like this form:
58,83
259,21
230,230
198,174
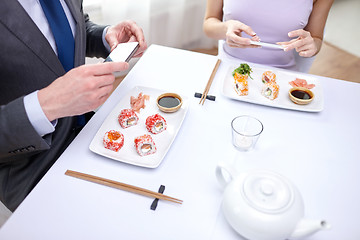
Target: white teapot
263,205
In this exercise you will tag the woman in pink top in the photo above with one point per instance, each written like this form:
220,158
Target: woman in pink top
297,25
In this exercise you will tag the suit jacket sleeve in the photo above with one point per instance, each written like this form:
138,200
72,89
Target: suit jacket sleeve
94,43
14,122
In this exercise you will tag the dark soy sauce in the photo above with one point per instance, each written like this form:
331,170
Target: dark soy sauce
169,102
301,94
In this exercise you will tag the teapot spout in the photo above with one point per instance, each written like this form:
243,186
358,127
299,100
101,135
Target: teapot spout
307,227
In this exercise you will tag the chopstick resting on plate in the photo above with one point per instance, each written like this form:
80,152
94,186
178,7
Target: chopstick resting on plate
122,186
208,85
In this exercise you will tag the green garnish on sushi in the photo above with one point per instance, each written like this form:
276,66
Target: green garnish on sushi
243,69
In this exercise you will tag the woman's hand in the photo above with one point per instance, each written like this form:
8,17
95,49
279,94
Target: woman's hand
127,31
234,35
304,44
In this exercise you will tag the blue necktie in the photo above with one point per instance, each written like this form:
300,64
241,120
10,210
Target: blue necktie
61,30
64,39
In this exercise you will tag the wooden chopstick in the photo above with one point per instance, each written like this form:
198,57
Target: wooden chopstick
122,186
208,85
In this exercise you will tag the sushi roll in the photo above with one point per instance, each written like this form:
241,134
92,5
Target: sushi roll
127,118
243,69
241,75
145,145
241,84
155,124
268,76
113,140
270,90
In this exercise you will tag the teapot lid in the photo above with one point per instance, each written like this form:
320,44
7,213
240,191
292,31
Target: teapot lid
267,192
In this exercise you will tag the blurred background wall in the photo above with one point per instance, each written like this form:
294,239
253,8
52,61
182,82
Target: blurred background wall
343,26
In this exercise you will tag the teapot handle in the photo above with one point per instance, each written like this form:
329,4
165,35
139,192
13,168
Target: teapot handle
220,168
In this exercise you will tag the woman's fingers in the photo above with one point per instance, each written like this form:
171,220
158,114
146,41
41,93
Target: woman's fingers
234,35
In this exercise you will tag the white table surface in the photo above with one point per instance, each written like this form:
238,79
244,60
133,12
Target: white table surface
318,152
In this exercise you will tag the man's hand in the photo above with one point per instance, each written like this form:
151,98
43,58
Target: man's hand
81,90
126,31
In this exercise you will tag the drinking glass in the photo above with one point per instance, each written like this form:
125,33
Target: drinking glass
245,132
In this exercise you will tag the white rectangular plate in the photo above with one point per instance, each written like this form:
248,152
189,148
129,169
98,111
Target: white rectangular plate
163,140
283,100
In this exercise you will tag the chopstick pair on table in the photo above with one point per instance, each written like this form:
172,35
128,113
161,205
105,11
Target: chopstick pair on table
122,186
208,85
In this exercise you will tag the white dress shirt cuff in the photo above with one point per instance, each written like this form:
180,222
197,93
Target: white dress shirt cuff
106,44
37,116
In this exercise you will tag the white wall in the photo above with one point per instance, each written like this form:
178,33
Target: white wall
342,27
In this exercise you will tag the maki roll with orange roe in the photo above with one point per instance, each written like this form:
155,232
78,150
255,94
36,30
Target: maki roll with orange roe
241,84
241,75
270,90
127,118
268,76
156,124
145,145
113,140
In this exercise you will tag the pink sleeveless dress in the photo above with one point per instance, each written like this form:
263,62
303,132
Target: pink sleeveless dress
271,20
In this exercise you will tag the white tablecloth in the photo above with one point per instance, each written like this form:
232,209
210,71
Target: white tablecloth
318,152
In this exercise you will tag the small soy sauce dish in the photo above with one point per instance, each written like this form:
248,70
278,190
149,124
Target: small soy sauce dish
169,102
301,95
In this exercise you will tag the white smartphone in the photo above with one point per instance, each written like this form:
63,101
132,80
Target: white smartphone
123,52
268,45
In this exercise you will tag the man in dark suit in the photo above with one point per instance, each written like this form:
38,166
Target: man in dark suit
39,97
